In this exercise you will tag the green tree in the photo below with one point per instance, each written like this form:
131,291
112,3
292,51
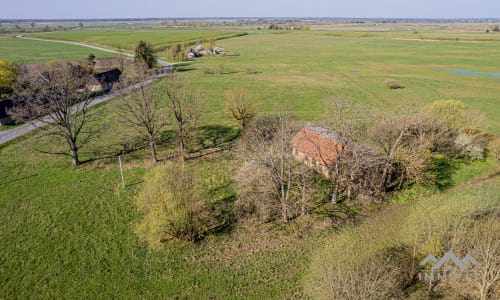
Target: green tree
8,73
91,62
174,52
183,52
452,112
144,53
210,44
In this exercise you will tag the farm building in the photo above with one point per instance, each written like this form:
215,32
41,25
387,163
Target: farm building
104,81
99,81
316,147
5,105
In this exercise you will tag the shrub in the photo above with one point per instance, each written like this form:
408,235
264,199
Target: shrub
394,85
175,206
495,28
467,148
452,112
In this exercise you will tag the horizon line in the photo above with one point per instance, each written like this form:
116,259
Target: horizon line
247,18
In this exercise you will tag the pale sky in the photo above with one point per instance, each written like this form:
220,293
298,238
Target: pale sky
49,9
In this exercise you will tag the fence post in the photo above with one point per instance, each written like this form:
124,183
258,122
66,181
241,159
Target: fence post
121,170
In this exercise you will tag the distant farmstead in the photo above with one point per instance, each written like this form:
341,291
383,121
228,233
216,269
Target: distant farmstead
316,147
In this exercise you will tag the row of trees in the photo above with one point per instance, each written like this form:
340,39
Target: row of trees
179,51
34,27
151,107
60,98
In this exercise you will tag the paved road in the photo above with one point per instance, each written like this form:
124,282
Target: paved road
13,133
10,134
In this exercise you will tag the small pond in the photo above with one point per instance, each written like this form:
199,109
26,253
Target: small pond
464,72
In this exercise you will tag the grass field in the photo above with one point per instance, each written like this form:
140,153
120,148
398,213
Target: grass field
126,39
68,233
299,70
416,34
28,51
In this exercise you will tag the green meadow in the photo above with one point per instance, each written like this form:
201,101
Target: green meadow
68,233
126,39
465,35
298,71
29,51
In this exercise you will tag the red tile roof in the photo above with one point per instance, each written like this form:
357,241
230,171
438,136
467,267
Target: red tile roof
316,143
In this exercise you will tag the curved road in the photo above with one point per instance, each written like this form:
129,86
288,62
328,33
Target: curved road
10,134
161,62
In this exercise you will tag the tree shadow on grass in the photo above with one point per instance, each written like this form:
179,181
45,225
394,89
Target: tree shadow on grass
223,210
442,169
184,67
215,136
206,140
167,138
17,179
131,147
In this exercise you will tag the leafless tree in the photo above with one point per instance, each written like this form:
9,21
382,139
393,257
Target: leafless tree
60,99
240,106
267,178
361,169
185,105
407,143
307,188
123,61
142,110
486,240
345,121
388,135
481,239
372,277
